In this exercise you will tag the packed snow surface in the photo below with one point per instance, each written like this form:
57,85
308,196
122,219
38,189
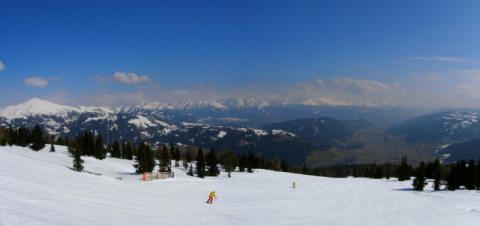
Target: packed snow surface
39,188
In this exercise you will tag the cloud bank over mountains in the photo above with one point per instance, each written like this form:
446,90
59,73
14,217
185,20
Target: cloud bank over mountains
338,92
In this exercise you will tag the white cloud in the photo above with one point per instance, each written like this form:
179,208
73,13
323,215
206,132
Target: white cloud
446,59
121,77
129,78
38,82
2,67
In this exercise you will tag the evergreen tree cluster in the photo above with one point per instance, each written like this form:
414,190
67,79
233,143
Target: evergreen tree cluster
22,136
404,170
464,175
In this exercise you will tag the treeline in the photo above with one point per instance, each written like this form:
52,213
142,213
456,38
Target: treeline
197,163
23,136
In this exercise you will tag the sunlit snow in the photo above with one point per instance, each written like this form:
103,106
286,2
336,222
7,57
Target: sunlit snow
39,188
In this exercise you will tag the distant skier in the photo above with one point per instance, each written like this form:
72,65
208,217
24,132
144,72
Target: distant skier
212,195
293,184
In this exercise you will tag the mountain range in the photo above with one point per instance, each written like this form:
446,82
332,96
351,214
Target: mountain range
316,141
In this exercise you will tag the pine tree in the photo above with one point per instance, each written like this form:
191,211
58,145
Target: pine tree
184,161
452,179
164,160
242,163
60,141
140,160
437,171
129,151
188,156
172,151
212,163
284,166
52,148
378,172
200,170
419,181
177,157
470,175
190,170
150,159
477,176
37,138
77,159
116,150
99,150
403,170
227,161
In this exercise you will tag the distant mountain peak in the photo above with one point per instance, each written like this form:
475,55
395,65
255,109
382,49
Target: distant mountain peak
36,106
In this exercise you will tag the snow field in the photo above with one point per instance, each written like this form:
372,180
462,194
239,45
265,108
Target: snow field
38,188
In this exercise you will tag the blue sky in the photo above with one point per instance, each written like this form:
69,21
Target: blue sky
403,53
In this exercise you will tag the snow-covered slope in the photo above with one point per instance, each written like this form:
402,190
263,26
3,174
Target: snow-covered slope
38,188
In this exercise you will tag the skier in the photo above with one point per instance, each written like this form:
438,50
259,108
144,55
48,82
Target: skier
294,184
210,199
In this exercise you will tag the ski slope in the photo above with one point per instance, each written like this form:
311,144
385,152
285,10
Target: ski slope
39,188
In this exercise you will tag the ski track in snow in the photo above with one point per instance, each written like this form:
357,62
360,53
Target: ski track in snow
38,188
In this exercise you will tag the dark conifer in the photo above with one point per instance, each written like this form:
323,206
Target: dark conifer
116,149
129,151
99,150
60,141
470,175
242,162
437,171
177,157
52,148
212,163
452,179
164,160
477,176
150,159
227,161
378,172
419,182
172,151
140,160
188,156
77,159
200,169
184,162
37,138
283,165
190,170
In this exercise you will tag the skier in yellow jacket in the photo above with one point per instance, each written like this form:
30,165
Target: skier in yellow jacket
212,195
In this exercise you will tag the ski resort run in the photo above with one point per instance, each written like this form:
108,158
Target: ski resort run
39,188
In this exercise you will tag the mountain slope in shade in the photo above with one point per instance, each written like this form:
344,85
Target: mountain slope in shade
458,126
461,151
323,130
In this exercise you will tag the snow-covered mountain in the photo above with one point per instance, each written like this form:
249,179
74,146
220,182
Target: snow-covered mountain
37,107
255,113
153,128
69,121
